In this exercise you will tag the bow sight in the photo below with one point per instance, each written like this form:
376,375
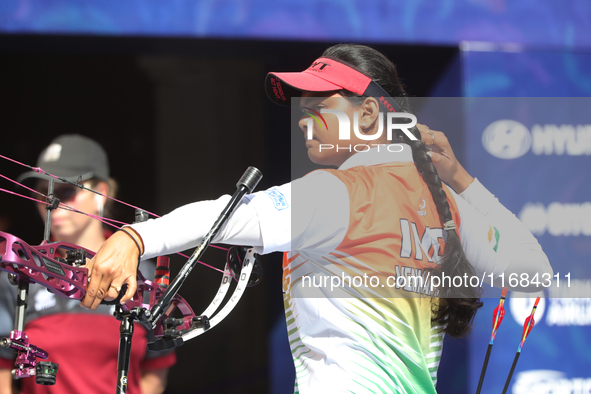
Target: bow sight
61,268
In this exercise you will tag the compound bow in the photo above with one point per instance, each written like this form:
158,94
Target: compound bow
154,304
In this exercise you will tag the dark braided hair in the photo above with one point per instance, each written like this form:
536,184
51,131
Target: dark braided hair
457,312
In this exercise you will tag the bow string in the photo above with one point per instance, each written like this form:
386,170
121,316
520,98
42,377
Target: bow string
79,184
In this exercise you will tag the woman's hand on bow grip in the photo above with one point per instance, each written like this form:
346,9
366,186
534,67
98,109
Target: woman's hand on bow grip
114,264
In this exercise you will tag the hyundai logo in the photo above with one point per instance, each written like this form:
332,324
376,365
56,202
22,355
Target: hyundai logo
506,139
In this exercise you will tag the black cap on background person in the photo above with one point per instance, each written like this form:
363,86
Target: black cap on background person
73,157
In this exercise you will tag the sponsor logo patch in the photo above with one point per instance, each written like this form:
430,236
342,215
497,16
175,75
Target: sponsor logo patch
279,200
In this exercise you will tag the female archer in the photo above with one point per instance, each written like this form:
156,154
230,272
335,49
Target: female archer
365,241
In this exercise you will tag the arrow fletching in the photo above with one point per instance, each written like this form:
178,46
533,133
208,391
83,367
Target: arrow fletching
529,323
498,315
527,327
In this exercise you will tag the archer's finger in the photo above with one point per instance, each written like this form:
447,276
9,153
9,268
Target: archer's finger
131,288
93,279
101,292
113,292
91,291
435,157
427,135
89,266
89,296
441,140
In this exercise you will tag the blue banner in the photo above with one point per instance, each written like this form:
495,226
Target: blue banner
549,23
534,154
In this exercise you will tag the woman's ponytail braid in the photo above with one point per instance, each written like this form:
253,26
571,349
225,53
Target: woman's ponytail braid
457,312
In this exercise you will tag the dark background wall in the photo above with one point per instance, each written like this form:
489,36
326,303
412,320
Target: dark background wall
181,119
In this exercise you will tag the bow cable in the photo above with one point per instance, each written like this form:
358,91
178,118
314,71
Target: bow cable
79,184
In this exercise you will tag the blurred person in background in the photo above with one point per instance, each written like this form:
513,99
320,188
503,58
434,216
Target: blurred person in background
58,325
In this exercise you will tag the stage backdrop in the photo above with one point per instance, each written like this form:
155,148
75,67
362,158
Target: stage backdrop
532,148
551,22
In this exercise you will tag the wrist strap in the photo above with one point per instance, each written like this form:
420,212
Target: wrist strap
139,250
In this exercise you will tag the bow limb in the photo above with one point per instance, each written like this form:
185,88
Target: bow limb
243,279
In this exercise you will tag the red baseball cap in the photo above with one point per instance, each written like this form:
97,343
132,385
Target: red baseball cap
324,75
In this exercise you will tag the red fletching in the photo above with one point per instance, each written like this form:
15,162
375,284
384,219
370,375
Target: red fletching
529,322
528,325
498,315
499,311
